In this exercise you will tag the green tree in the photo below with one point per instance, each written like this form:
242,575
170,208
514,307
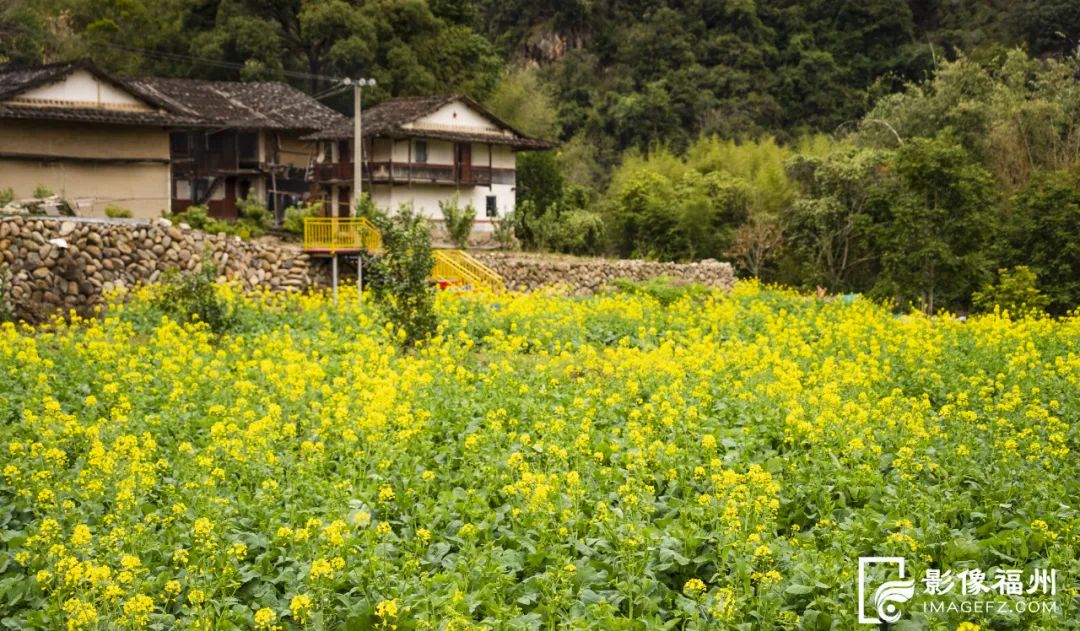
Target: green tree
1046,235
827,227
405,293
936,232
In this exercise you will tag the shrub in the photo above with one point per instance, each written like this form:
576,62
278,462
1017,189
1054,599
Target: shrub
406,294
6,196
459,220
192,296
117,212
7,310
504,232
253,219
663,289
295,216
1015,291
572,232
41,192
194,216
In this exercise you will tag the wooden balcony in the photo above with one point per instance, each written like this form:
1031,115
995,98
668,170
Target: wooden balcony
415,173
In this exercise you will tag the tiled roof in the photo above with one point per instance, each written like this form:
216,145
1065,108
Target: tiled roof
96,115
235,104
180,102
388,117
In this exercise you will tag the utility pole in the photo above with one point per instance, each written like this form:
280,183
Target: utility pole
358,178
358,139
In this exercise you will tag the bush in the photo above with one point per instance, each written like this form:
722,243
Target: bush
41,192
1015,292
663,289
7,310
459,220
6,196
504,232
295,216
192,296
253,219
406,293
252,222
573,232
117,212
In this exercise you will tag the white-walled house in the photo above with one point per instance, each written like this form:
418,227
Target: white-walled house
423,150
153,144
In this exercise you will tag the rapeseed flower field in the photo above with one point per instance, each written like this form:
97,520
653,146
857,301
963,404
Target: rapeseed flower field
719,462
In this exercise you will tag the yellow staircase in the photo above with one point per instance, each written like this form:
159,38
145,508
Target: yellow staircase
453,269
459,269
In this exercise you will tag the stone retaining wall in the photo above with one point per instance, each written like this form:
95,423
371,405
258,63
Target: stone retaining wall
67,262
60,263
589,275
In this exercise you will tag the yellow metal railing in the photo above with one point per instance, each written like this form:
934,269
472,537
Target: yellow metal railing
452,268
458,267
341,234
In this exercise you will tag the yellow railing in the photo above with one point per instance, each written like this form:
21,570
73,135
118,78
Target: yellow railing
459,268
341,234
453,268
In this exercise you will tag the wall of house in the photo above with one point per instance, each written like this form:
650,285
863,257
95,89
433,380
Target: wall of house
82,87
425,198
292,150
32,153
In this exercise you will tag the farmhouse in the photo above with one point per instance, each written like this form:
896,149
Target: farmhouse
423,150
153,144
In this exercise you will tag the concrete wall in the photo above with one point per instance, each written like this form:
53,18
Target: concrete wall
141,185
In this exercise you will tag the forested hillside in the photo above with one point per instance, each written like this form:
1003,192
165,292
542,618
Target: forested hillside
812,141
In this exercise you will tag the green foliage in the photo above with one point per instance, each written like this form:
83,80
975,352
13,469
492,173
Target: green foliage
663,289
1016,291
675,208
935,235
253,218
406,293
366,208
504,232
41,191
252,221
826,228
295,216
1045,235
191,296
7,310
539,180
523,101
118,212
459,220
574,231
1015,117
7,195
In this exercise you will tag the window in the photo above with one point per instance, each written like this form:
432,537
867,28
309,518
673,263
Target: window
247,146
421,150
492,208
179,145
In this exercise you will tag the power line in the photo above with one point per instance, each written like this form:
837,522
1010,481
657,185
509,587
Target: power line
295,74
